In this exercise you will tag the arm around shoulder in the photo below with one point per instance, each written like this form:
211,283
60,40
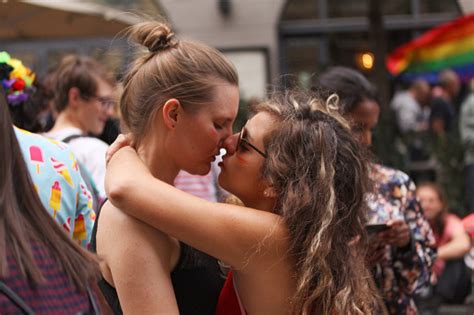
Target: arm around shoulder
239,236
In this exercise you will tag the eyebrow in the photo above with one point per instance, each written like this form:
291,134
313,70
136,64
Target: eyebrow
226,120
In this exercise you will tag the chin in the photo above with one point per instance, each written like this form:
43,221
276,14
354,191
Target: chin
96,132
222,180
202,170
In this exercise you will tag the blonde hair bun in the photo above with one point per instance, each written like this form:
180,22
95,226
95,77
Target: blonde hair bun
155,36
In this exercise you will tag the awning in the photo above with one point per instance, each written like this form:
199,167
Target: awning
46,19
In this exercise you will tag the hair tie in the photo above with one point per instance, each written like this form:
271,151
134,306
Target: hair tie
332,102
163,42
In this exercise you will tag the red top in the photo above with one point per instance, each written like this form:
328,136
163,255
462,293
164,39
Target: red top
229,303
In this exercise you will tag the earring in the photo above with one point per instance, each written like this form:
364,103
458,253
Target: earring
266,193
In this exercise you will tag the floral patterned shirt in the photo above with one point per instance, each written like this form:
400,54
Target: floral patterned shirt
402,271
57,179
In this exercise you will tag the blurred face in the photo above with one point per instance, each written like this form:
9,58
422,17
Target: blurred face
430,202
423,94
454,87
241,171
364,118
97,109
200,135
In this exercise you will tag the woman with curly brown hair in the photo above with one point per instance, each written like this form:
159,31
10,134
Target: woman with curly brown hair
298,247
400,257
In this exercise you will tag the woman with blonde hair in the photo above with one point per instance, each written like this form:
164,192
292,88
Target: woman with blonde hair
179,101
298,245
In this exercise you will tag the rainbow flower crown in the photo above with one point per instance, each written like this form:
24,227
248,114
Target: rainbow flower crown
16,79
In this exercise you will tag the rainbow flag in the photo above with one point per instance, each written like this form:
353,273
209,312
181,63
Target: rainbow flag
450,45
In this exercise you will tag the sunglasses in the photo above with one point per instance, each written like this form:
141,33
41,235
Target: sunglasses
243,143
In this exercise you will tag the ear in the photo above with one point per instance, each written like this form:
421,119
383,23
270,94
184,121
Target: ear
269,192
74,97
170,112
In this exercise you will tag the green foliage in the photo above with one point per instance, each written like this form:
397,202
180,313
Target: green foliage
449,154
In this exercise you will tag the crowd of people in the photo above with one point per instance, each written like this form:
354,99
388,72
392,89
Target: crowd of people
313,224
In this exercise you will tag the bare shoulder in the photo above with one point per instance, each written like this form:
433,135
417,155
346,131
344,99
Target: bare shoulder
121,237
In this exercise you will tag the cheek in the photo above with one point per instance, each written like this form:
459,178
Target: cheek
241,160
213,132
427,207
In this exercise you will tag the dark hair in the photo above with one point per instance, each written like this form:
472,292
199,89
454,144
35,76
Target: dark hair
79,72
24,219
186,70
350,85
320,174
27,96
27,114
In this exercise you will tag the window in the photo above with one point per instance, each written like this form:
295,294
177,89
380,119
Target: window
437,6
301,9
347,8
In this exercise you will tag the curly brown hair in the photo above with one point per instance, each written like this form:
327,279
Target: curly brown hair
320,174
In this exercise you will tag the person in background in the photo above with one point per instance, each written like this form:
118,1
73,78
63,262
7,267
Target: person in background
112,125
42,270
413,112
27,96
466,129
52,165
452,241
443,117
400,257
202,186
84,100
468,222
411,107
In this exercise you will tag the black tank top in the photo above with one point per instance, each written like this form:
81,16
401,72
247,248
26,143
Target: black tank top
197,281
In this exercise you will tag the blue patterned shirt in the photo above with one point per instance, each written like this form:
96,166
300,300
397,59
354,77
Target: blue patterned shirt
57,179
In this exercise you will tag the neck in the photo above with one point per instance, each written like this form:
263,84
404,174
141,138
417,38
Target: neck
66,119
263,203
159,163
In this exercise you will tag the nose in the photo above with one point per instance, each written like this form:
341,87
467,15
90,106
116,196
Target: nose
110,111
228,131
230,143
367,138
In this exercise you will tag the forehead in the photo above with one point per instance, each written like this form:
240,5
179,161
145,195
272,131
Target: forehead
367,112
104,88
425,190
225,101
259,126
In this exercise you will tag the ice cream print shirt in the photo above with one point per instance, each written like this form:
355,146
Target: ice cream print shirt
56,177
